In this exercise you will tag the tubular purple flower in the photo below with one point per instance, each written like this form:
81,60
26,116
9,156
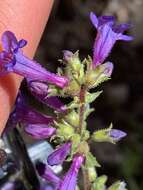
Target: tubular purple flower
70,179
107,34
116,134
39,131
13,60
25,114
45,172
40,91
59,155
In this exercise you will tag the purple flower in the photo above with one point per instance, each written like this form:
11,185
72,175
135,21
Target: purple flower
107,34
40,91
13,60
107,68
70,179
59,155
45,172
67,55
116,134
25,114
9,186
39,131
47,188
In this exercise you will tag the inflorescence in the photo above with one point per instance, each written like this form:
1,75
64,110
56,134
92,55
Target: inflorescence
68,127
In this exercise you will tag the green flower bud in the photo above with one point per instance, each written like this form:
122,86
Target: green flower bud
108,135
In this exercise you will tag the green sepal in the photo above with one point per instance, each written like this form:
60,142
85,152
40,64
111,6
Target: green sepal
119,185
90,97
75,139
73,88
64,130
91,161
103,135
99,183
72,118
85,135
95,77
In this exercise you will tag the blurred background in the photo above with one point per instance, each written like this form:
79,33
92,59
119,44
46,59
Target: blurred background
69,28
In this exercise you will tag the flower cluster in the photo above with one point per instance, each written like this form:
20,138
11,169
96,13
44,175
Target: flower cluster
67,129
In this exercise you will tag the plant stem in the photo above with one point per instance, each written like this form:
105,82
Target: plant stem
82,108
86,182
82,95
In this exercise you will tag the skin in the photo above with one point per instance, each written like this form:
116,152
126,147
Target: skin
27,19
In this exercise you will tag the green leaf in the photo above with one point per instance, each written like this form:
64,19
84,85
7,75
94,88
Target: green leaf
90,97
91,161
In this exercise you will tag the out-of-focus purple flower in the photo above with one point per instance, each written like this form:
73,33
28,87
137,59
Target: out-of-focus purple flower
40,91
116,134
25,114
47,187
9,186
60,154
70,179
45,172
39,131
107,34
67,55
13,60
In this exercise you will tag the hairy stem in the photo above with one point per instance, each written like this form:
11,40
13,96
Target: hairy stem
82,95
86,182
82,108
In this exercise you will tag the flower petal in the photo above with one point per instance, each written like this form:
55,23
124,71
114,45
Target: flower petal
107,34
40,91
104,42
106,19
59,155
116,134
70,179
31,69
39,131
45,172
94,19
9,41
26,114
